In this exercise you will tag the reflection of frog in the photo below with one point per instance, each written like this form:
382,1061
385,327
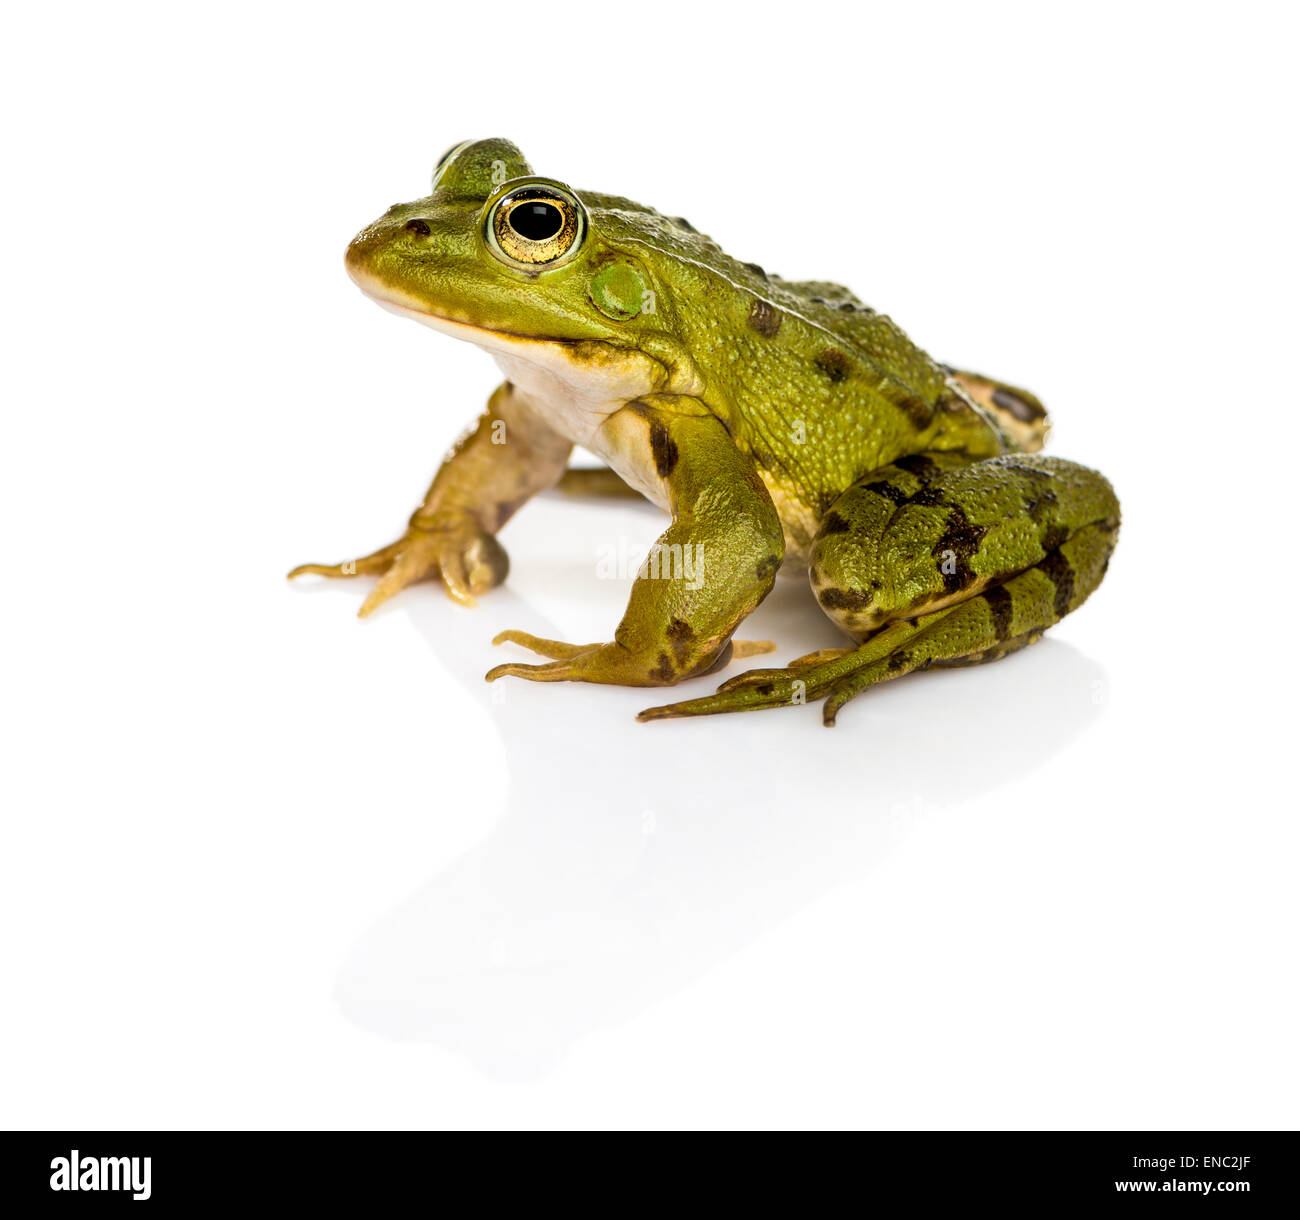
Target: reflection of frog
776,422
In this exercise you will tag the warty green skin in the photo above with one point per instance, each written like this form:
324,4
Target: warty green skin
777,422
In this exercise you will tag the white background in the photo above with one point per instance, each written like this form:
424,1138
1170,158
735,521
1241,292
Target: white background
266,865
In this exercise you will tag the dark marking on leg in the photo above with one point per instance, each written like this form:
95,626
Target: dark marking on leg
834,363
928,497
1011,463
1061,574
1054,537
680,636
844,599
1038,504
919,465
664,449
895,495
664,670
896,661
835,524
764,317
962,538
825,502
767,567
999,603
507,508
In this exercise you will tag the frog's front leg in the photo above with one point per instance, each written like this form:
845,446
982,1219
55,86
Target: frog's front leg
508,457
709,569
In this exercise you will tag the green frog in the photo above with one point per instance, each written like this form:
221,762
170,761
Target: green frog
779,423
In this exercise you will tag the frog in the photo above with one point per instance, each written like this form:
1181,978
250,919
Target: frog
783,426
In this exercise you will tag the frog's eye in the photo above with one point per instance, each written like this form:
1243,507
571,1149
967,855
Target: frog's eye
534,226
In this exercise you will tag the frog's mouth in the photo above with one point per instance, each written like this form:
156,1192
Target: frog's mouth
404,306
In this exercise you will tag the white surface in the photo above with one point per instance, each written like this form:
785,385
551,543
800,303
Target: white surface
264,865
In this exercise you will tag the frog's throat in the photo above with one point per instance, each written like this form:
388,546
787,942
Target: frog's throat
578,383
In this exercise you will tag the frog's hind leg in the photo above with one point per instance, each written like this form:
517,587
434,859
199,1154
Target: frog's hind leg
939,569
1001,620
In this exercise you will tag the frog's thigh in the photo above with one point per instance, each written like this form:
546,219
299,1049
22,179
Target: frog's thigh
898,546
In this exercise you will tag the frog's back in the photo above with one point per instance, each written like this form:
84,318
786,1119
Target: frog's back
816,385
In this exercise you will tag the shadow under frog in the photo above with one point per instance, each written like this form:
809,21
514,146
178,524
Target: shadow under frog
622,871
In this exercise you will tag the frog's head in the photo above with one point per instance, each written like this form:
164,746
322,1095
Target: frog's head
514,263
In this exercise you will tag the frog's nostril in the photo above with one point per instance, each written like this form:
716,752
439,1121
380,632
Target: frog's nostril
418,226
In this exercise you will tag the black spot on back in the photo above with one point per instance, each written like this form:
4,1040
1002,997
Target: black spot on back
764,317
919,412
835,524
834,363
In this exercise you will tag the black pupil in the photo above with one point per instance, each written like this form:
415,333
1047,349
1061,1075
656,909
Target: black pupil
536,221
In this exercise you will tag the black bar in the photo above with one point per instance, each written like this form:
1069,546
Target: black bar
804,1171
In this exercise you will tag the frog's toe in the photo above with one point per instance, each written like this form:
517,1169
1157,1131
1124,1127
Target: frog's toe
750,648
806,678
822,655
751,679
563,666
413,563
776,693
467,560
553,671
366,566
555,649
814,672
